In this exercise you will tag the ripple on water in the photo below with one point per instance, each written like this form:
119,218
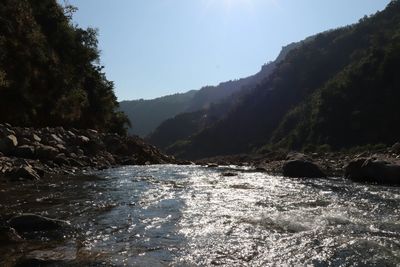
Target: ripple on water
190,215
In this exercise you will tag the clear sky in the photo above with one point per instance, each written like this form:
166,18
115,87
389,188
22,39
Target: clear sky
152,48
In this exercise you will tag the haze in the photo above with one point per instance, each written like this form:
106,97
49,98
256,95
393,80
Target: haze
159,47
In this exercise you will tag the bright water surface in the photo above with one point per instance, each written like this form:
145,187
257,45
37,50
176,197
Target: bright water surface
194,216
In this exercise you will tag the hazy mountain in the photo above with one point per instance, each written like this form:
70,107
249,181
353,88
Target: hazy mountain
147,115
340,89
211,104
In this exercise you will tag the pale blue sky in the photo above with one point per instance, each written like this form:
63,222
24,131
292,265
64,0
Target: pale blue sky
152,48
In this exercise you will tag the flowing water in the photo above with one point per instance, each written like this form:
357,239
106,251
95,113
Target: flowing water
195,216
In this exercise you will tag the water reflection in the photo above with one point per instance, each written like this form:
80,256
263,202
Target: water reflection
193,216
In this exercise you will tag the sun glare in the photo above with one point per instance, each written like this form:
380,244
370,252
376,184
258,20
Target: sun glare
229,4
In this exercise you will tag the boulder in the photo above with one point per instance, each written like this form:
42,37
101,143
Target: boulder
302,168
57,139
8,143
25,151
229,174
31,222
297,156
24,172
93,147
61,159
373,170
36,138
396,148
46,152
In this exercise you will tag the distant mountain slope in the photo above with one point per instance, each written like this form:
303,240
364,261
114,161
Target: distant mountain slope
211,104
341,89
147,115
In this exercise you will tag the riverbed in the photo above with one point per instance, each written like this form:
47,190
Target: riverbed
168,215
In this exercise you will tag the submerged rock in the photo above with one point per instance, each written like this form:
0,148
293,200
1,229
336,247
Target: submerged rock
302,168
373,170
32,222
229,174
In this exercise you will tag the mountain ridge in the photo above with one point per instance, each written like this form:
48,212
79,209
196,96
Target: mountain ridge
329,68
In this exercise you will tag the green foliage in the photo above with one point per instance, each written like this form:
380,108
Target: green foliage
339,90
49,69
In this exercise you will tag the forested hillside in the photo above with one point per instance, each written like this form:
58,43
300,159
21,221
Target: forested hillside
147,115
50,72
208,111
339,90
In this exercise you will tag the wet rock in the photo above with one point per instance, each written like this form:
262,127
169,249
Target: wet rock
24,151
8,143
302,168
8,236
32,222
373,170
260,169
212,165
24,173
229,174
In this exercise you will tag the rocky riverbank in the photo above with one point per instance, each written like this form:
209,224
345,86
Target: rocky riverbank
28,153
376,166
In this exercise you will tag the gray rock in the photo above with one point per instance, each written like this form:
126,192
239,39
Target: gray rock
8,143
36,138
302,169
373,170
46,152
57,139
25,151
61,159
31,222
396,148
24,172
229,174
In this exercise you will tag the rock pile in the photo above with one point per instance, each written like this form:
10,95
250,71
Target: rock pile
29,153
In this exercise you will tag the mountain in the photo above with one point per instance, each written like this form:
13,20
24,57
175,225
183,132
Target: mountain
203,112
147,115
49,70
339,90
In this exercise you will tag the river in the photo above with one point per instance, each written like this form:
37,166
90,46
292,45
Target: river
171,215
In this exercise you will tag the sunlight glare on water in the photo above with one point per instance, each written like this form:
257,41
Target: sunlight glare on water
196,216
